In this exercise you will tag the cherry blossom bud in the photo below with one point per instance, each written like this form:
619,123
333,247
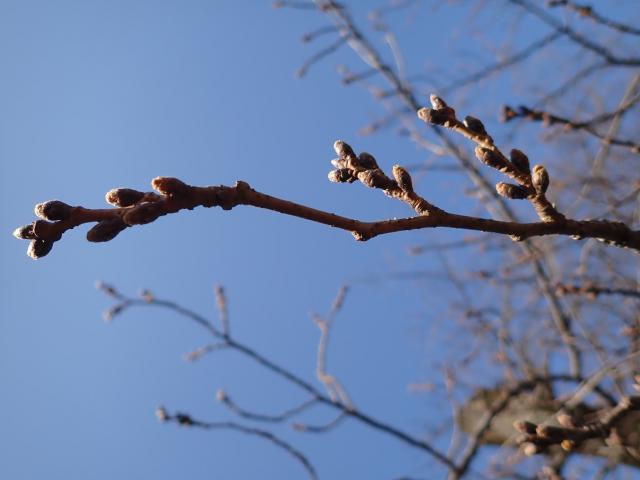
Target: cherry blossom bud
403,179
39,248
123,197
106,230
540,178
53,210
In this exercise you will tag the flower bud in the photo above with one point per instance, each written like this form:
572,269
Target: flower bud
436,102
403,179
53,210
367,161
525,427
169,186
341,175
343,149
161,414
46,230
106,230
143,213
221,395
435,117
339,163
24,232
520,160
375,179
568,445
507,113
530,449
540,179
39,248
123,197
490,158
508,190
475,125
183,419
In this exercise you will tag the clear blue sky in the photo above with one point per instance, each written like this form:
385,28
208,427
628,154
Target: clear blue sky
102,94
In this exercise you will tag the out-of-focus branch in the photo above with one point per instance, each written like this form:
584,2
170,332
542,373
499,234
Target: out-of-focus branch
587,11
580,40
501,65
188,421
592,291
549,119
538,437
315,394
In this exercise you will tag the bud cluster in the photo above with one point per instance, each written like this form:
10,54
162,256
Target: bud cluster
351,167
45,232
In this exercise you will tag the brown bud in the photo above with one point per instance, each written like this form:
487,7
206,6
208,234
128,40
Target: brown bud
169,186
221,395
525,427
436,102
568,445
490,158
123,197
339,163
540,179
141,214
507,113
520,160
367,161
475,125
530,449
565,420
550,432
343,149
161,414
341,175
435,117
53,210
509,190
106,230
403,179
375,179
24,232
46,230
183,419
39,248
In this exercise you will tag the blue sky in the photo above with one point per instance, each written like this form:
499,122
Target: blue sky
97,95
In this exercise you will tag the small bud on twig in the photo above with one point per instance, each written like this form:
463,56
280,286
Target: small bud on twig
540,179
524,426
169,186
24,232
475,125
341,175
343,149
106,230
53,210
490,158
141,214
123,197
39,248
46,230
511,191
520,160
375,179
402,178
436,102
367,161
161,414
